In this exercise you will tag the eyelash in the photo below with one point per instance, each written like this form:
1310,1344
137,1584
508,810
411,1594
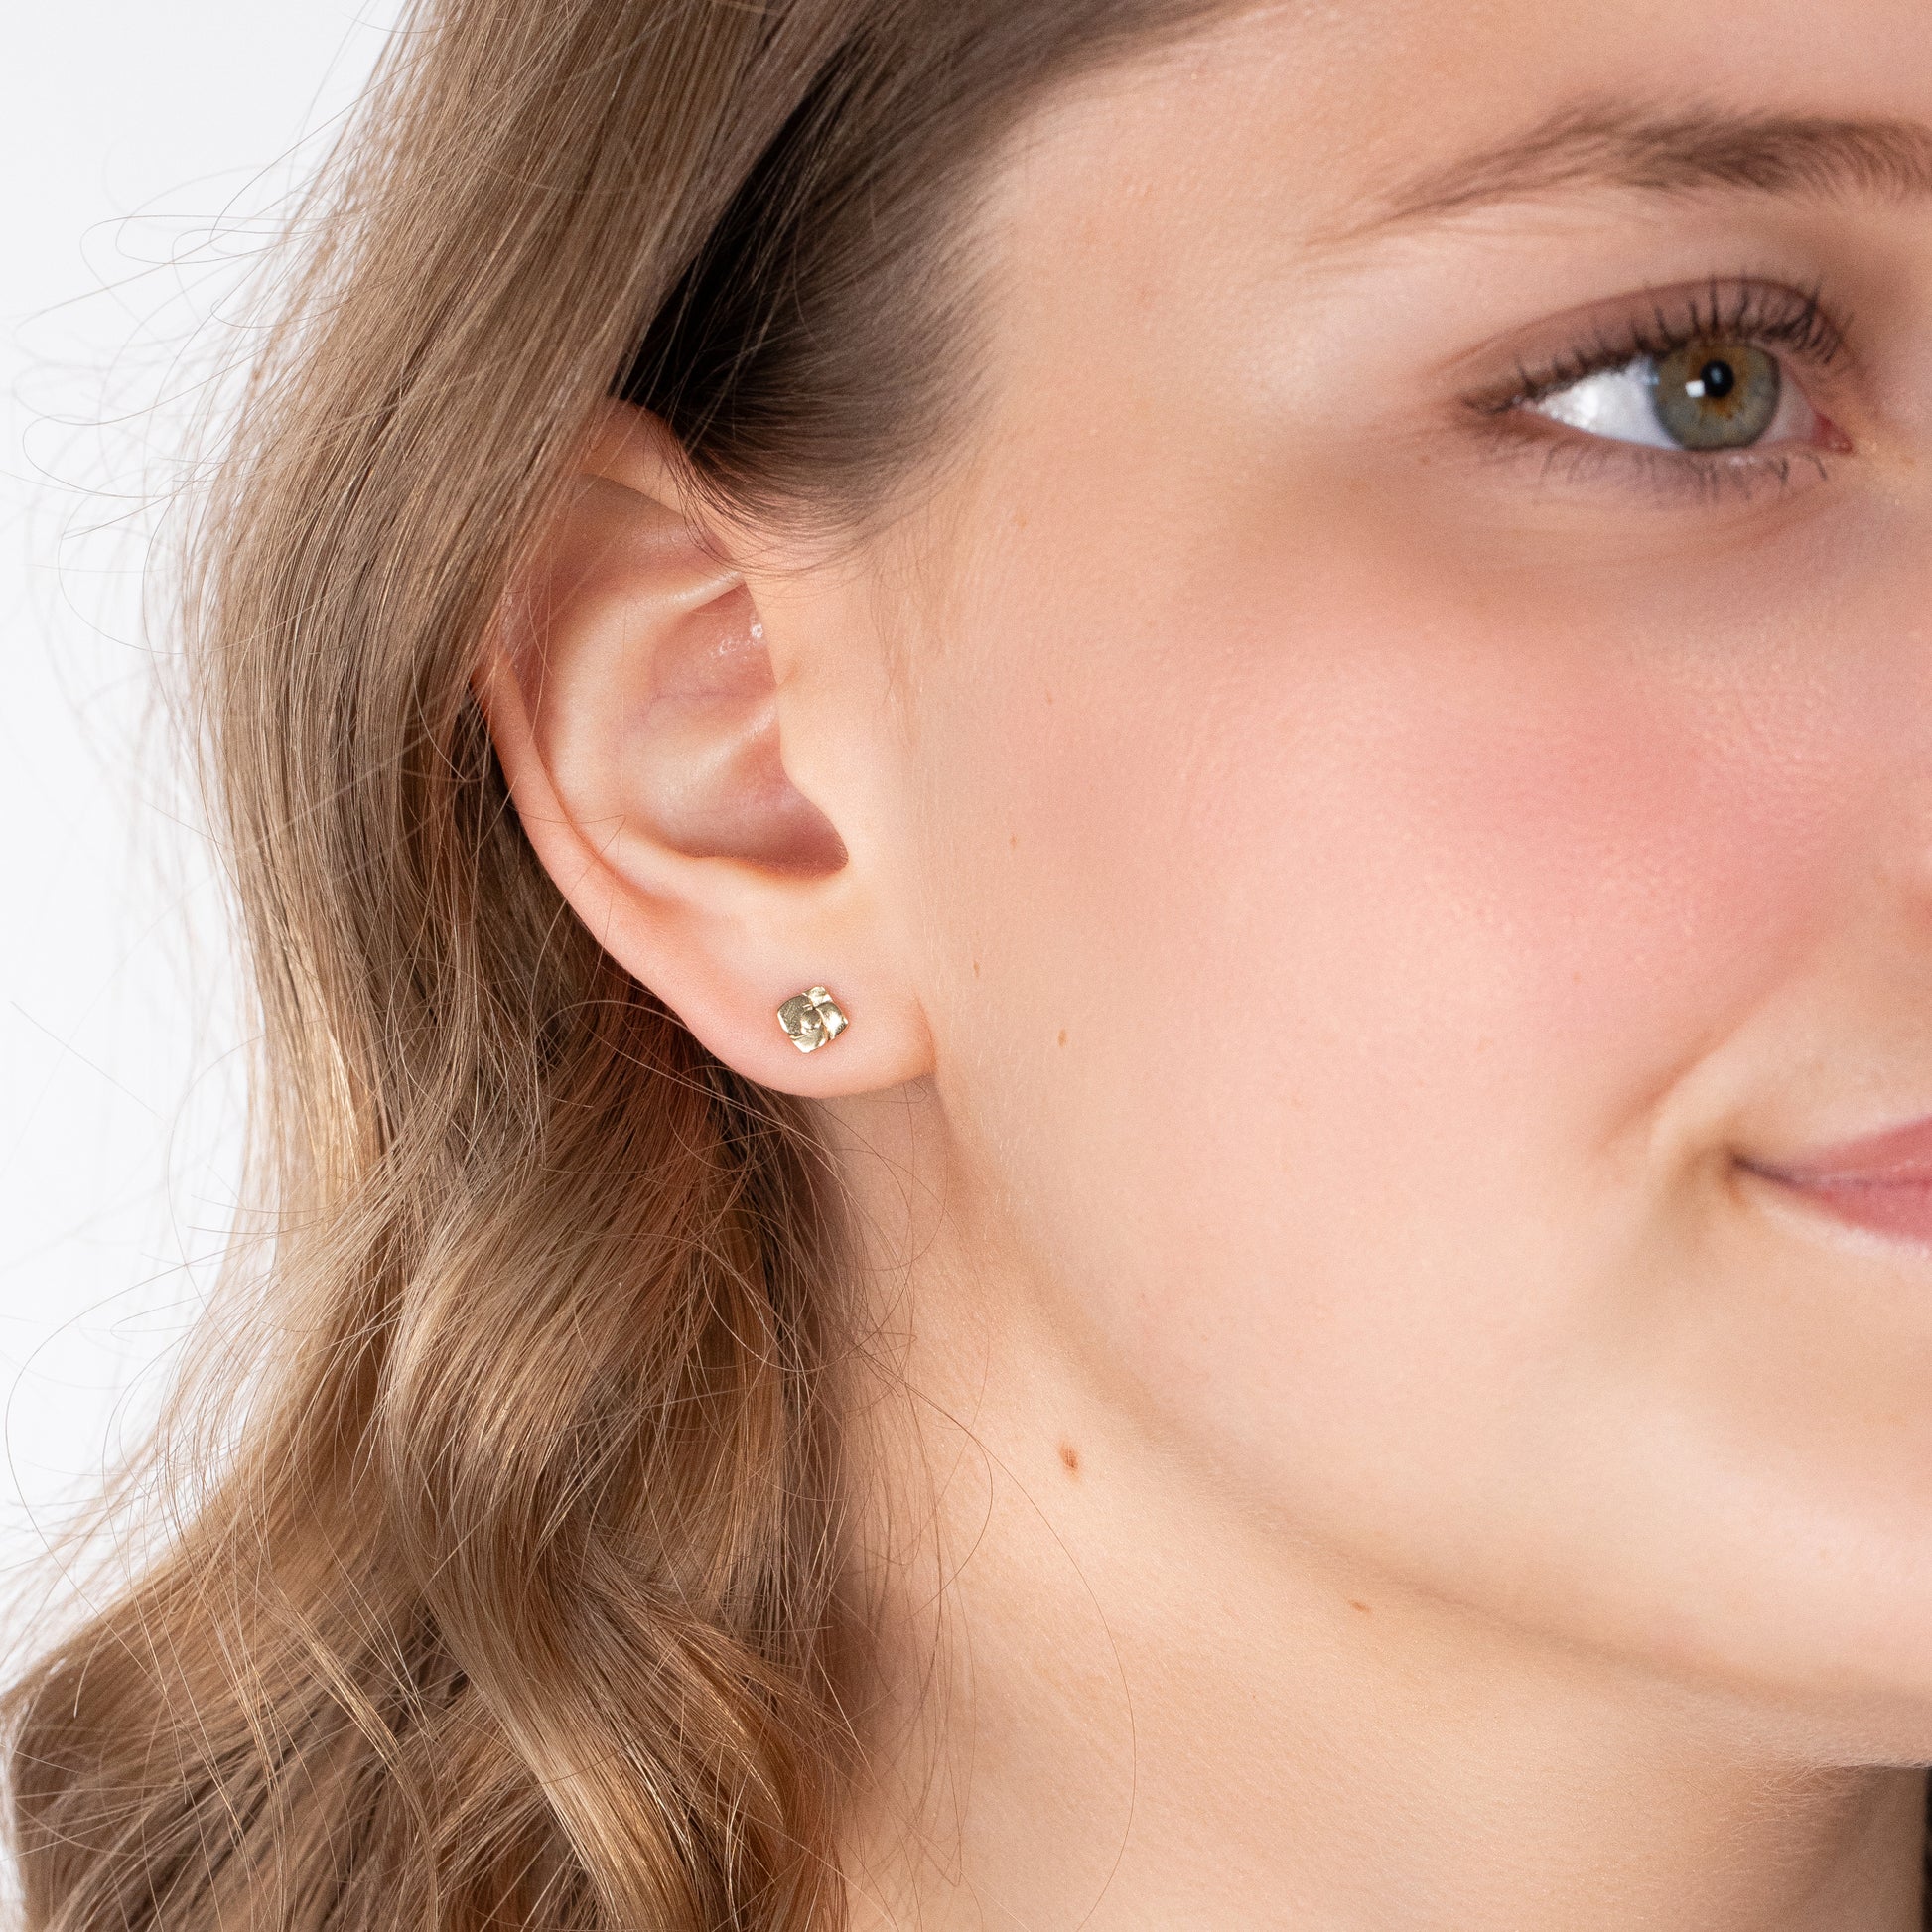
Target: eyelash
1771,316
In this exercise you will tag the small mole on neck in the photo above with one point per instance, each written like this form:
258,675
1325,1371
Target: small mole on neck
1071,1457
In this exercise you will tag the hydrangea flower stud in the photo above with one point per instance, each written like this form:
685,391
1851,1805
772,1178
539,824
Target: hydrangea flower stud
812,1020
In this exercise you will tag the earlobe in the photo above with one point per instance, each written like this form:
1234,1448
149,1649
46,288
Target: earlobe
631,693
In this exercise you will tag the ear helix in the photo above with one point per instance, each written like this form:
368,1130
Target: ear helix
812,1018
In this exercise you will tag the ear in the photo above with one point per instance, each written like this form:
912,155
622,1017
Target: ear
644,719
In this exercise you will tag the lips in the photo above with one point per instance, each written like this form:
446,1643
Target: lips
1881,1182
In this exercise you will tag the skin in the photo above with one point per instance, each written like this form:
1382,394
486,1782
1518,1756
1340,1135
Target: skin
1334,900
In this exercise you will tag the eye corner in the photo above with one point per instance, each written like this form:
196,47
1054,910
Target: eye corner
1491,404
1523,388
1827,438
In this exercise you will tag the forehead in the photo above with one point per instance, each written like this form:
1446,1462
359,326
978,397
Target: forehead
1299,123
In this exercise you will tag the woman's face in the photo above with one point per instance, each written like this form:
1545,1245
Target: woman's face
1400,852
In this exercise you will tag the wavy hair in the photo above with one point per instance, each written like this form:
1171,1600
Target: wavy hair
513,1599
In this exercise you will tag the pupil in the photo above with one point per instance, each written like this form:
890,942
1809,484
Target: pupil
1717,381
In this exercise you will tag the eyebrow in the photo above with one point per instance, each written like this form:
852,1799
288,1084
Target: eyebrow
1598,145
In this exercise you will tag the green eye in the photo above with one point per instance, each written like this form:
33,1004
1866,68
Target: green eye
1714,396
1717,395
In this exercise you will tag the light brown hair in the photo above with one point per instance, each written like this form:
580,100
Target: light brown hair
513,1600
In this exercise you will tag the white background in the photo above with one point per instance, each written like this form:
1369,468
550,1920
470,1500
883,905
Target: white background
144,147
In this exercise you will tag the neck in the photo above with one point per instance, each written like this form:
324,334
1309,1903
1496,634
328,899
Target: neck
1105,1693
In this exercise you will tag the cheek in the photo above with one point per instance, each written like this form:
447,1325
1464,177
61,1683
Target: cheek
1369,850
1330,934
1601,870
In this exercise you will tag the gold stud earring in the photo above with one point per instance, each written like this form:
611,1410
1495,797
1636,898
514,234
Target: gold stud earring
812,1020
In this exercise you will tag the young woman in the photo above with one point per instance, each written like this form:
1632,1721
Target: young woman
1089,844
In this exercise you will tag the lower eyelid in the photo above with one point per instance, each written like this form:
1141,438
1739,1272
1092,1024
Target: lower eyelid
1564,457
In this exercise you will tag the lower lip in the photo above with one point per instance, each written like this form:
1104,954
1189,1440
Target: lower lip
1899,1205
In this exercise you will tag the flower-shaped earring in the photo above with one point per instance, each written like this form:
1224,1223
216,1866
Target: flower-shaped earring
812,1020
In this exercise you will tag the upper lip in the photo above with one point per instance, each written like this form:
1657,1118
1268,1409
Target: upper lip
1897,1157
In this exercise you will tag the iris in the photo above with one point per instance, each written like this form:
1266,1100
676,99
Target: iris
1717,395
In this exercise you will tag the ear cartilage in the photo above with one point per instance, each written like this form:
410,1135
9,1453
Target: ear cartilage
812,1020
